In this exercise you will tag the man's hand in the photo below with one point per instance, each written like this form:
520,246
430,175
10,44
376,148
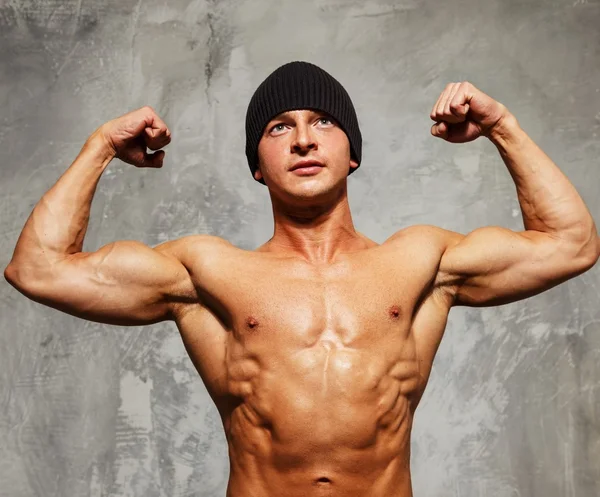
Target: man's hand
463,113
127,137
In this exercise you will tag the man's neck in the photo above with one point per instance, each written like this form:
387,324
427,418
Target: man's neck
316,233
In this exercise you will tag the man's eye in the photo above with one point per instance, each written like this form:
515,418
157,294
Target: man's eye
278,127
325,120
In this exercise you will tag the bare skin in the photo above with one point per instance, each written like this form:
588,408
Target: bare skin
317,346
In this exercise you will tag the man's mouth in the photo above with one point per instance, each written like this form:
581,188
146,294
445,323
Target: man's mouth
307,164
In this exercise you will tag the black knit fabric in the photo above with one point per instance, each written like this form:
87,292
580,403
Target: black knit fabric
300,85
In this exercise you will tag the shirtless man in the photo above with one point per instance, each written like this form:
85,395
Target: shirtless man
317,346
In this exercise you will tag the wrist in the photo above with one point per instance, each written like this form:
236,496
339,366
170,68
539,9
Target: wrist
99,147
505,129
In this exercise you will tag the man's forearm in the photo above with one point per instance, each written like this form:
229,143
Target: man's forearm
59,221
549,202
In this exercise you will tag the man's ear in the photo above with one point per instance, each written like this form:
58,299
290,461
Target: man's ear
257,174
353,164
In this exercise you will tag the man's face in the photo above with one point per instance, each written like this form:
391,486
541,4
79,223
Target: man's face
303,136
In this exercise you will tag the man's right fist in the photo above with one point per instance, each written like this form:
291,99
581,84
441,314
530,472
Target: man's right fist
127,137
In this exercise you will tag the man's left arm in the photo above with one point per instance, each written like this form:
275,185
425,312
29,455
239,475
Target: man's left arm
494,265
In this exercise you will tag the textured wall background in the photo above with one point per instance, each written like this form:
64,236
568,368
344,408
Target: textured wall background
513,406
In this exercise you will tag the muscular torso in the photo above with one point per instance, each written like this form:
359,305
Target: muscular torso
317,370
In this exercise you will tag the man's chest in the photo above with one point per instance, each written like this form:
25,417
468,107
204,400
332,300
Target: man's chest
348,301
277,316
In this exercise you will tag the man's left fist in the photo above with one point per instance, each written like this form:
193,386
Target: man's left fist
463,113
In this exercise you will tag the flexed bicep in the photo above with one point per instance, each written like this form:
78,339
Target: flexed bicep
494,265
123,283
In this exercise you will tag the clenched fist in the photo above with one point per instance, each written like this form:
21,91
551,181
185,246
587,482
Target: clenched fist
128,137
463,113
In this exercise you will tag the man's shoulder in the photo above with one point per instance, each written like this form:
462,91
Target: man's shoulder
428,244
204,241
435,236
423,239
426,232
195,248
192,242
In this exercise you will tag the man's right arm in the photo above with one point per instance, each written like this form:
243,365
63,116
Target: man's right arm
124,282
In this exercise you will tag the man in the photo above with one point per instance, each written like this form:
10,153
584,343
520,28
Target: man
316,347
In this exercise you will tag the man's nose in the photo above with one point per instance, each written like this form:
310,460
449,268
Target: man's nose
304,139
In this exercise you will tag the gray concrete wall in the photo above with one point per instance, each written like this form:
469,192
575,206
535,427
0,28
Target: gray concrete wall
513,406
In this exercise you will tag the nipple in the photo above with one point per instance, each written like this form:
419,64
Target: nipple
394,311
251,322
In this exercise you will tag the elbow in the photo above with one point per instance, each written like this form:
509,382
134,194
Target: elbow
10,274
22,279
594,246
589,253
582,245
17,280
595,252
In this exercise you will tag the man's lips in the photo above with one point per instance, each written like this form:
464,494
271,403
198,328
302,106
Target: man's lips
306,163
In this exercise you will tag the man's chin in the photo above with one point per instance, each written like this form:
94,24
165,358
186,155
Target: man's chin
312,190
309,186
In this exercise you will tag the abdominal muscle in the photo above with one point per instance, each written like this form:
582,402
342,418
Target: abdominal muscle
321,420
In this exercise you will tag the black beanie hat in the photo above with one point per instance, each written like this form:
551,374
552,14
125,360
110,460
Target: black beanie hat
300,85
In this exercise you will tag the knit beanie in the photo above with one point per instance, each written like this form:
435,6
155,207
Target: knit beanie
300,85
